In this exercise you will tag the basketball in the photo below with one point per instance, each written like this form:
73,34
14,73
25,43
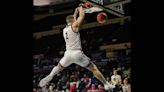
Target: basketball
101,17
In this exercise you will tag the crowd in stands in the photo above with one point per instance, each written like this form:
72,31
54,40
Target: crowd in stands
81,80
74,78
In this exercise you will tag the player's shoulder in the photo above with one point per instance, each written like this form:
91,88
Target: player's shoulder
66,27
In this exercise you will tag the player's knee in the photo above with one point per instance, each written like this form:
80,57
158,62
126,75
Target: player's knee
92,67
60,67
56,70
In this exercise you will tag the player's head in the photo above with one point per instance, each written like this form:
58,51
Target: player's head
70,19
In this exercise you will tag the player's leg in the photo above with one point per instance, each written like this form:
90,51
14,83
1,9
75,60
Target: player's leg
84,61
63,63
48,78
93,68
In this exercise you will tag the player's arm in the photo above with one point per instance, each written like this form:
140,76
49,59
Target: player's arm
75,13
79,20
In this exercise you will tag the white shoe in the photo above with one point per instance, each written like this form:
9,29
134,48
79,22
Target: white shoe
108,86
45,80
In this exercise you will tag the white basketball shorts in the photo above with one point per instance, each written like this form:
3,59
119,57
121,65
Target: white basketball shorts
74,56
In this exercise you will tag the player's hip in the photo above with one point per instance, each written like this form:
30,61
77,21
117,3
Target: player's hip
74,54
73,51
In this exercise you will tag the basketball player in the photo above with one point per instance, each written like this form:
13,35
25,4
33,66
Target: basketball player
74,53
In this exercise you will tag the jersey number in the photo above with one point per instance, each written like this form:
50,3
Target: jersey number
66,35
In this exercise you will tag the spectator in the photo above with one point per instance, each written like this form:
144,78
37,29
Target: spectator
39,89
77,74
73,85
34,90
72,75
101,88
126,73
45,88
51,89
92,89
67,86
126,85
116,80
59,85
57,89
77,84
82,86
87,81
64,79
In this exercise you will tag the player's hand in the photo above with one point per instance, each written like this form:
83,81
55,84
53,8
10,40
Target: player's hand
75,13
80,8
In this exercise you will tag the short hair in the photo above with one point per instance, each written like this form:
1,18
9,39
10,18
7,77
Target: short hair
69,18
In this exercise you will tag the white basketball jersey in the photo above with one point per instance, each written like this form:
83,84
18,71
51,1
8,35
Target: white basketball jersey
72,39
